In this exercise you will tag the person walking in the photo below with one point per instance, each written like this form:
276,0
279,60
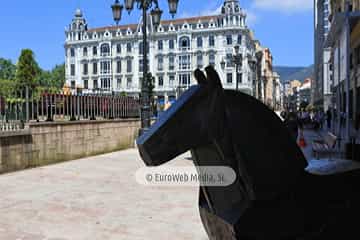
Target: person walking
328,118
293,124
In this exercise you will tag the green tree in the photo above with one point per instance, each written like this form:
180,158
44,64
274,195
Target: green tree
58,76
7,88
27,70
7,69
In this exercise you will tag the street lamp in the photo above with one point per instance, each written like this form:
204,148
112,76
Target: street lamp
156,13
222,64
117,10
237,60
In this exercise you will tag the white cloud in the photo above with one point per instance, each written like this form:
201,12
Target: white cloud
289,6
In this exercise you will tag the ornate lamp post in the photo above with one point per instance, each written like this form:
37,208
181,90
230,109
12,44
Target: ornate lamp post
237,60
156,13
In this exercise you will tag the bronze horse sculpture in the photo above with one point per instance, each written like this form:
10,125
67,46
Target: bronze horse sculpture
273,196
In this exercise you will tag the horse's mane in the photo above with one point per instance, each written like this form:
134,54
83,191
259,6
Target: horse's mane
269,158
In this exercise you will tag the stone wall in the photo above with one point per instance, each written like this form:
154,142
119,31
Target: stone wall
47,143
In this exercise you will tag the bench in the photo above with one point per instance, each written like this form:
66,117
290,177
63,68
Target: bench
325,146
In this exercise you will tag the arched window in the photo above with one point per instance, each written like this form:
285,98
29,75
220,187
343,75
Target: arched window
184,42
105,49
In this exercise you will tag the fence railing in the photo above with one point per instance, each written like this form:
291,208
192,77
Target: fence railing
16,111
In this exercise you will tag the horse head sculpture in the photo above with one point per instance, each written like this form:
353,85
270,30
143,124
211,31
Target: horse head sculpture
229,128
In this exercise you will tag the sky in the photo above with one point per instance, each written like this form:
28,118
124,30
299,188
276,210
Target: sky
285,26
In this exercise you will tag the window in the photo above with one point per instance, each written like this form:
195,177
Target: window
212,59
160,63
160,45
199,60
229,60
85,51
72,52
171,80
105,49
72,69
73,84
229,78
86,84
105,83
184,79
184,62
239,39
141,65
85,69
95,83
128,47
229,39
171,44
95,68
184,43
94,50
199,42
129,65
118,83
118,66
161,81
239,75
211,41
129,82
105,67
171,63
118,48
141,48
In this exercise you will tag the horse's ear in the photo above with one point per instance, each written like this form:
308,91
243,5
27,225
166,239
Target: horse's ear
213,77
200,77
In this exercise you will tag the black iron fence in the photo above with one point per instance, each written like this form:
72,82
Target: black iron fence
16,111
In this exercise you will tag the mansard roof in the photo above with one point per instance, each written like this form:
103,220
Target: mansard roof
190,20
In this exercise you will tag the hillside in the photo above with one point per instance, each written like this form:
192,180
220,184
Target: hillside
292,73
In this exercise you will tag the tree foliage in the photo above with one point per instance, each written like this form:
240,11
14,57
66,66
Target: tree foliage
13,78
27,70
7,69
58,76
7,88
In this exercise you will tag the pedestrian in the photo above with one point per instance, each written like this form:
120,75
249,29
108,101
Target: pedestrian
328,118
293,124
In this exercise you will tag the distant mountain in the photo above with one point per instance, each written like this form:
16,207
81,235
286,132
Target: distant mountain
294,73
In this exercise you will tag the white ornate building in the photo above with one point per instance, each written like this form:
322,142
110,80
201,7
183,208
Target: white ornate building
110,58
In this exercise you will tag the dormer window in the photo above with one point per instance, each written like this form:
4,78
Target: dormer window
223,10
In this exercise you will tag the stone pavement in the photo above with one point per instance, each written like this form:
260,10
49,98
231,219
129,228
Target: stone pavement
325,165
96,198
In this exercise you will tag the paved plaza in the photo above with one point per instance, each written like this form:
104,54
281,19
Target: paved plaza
96,198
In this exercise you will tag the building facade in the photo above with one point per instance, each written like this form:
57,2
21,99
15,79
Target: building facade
344,41
321,91
110,59
268,87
